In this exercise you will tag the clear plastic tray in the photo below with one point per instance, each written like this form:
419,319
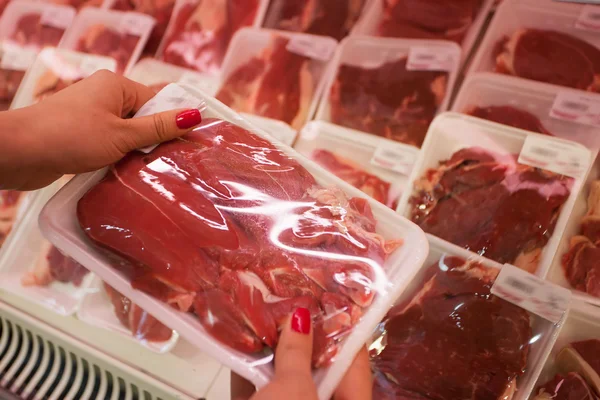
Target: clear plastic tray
278,129
60,225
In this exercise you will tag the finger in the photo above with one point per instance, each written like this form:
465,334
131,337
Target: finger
357,384
293,355
135,95
241,389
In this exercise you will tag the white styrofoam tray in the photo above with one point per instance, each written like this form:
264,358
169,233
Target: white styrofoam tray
59,223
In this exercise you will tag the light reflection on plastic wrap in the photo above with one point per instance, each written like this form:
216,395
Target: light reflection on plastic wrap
223,224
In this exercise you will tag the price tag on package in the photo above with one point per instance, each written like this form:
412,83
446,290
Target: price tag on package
589,19
15,57
577,107
318,48
565,158
531,293
135,24
394,158
57,17
431,58
91,64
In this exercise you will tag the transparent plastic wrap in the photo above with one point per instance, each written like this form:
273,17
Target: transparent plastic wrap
277,129
450,336
55,69
376,86
275,74
106,308
495,190
199,32
334,18
541,41
115,34
263,231
377,166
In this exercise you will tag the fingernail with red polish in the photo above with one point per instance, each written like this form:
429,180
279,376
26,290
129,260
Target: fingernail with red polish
188,119
301,321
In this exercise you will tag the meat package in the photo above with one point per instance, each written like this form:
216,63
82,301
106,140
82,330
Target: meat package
373,90
200,31
277,129
260,234
334,18
274,75
115,34
53,266
10,201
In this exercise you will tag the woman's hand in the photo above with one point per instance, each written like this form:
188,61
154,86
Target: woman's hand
293,374
81,129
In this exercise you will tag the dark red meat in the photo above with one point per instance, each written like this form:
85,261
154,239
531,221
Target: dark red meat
589,350
79,4
54,266
103,41
223,224
489,204
388,101
510,116
565,387
453,340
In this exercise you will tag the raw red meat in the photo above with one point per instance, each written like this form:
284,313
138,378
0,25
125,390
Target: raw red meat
489,204
103,41
53,266
333,18
10,200
371,184
277,84
453,340
565,387
428,19
143,326
510,116
201,32
79,4
222,223
388,101
550,56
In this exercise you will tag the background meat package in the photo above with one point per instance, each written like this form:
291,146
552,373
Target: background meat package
349,154
277,129
453,132
116,34
438,342
581,325
520,41
24,257
368,88
59,223
432,17
99,309
275,74
55,69
523,104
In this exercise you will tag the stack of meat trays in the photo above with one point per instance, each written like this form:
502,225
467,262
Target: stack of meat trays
500,192
275,74
572,371
391,88
277,206
377,166
55,69
532,106
451,335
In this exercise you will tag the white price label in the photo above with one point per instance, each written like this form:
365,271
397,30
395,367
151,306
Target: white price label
531,293
576,107
564,158
589,19
316,48
15,57
394,158
91,64
57,17
429,58
136,25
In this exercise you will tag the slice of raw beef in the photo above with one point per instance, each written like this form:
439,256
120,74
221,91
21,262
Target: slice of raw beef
104,41
565,387
54,266
510,116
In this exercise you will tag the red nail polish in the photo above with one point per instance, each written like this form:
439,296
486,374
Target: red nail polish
188,119
301,321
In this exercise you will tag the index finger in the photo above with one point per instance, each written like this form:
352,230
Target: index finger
135,95
357,384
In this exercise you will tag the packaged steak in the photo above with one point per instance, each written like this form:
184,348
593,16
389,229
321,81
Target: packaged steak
377,166
55,69
532,106
382,87
199,32
277,75
496,191
334,18
116,34
451,335
26,28
258,235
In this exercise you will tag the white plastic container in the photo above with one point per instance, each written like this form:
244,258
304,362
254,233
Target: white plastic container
251,42
488,89
360,148
60,225
123,22
97,310
370,52
64,64
451,132
277,129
